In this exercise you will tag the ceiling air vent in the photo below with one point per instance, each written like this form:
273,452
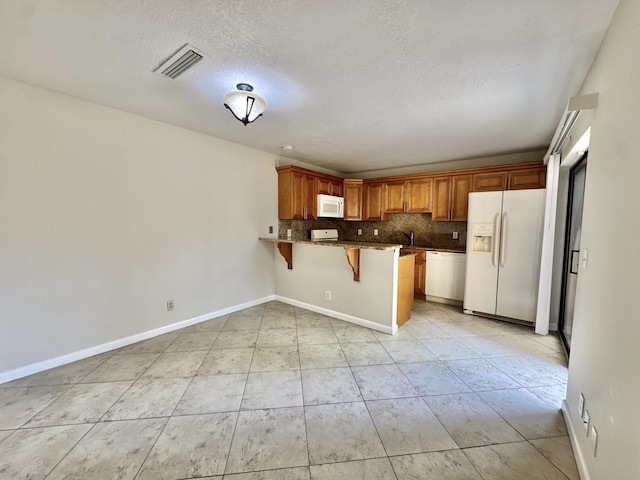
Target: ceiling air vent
180,62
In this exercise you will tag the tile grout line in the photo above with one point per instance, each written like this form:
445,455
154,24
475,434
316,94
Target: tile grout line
244,390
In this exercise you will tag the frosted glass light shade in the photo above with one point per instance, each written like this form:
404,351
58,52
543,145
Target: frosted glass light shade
245,105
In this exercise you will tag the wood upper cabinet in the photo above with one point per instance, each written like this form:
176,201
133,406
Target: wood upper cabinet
441,199
528,178
296,194
408,196
337,187
372,199
353,191
461,186
510,179
419,194
394,197
444,194
329,186
490,182
451,198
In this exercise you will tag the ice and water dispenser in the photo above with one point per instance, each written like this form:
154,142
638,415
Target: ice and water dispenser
482,237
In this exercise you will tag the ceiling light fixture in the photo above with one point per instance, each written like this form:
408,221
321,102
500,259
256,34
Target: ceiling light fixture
245,105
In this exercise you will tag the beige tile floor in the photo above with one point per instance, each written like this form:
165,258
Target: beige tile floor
277,392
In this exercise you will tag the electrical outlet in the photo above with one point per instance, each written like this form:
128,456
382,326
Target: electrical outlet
170,305
288,232
594,440
375,231
359,231
455,235
327,295
270,228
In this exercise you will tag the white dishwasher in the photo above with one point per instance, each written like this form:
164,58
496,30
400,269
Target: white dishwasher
445,275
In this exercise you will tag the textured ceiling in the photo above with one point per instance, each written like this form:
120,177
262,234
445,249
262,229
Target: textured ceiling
353,85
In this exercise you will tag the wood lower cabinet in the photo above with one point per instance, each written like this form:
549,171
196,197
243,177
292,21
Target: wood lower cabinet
419,272
373,201
528,178
405,288
451,198
353,191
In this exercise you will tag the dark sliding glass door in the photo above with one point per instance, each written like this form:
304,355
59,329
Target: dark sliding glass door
577,179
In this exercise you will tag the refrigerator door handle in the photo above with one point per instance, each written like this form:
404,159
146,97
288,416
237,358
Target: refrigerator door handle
496,240
503,239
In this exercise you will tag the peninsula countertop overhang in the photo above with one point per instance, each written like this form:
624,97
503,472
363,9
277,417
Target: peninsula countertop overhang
337,243
363,245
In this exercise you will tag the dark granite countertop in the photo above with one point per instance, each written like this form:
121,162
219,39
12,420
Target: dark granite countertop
434,249
339,243
365,245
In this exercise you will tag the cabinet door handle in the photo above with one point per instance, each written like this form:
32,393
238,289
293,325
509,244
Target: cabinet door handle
304,213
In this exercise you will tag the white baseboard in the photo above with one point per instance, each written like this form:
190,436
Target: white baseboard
446,301
577,452
341,316
123,342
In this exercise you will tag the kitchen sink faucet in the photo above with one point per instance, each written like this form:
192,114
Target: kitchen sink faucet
409,236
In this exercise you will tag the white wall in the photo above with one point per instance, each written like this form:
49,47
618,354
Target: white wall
105,215
318,268
605,353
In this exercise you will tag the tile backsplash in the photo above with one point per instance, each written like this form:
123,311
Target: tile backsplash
426,232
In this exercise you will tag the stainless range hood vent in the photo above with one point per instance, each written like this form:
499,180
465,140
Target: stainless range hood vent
180,62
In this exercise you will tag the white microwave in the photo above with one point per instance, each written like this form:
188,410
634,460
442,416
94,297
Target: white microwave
330,206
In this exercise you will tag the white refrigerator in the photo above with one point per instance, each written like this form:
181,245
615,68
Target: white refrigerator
504,243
